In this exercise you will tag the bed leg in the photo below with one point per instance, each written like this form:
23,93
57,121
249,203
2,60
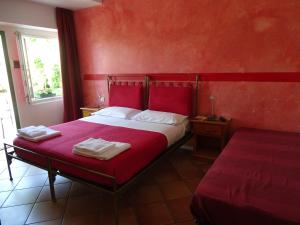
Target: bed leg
9,161
200,221
51,178
51,184
116,208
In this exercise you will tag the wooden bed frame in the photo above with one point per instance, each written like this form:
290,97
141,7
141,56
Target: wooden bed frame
116,189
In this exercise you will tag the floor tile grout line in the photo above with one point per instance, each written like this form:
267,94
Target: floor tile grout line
3,207
4,178
182,178
22,205
42,221
29,187
21,189
47,186
12,189
134,208
34,205
185,182
166,200
66,204
29,175
18,189
39,222
134,205
5,198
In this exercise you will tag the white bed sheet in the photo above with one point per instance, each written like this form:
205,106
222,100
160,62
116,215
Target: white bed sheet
172,133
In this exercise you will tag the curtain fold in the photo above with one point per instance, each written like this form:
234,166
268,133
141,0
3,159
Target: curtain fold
71,79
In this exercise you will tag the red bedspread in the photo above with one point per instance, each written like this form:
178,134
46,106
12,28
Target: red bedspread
145,146
255,181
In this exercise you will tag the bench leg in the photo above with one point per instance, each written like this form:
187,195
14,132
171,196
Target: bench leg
51,177
9,161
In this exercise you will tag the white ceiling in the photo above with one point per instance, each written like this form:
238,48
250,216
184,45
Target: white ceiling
69,4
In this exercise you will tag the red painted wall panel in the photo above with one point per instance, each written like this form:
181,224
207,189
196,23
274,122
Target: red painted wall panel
201,36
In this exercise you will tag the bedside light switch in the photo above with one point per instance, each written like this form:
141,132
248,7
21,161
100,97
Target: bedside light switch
16,64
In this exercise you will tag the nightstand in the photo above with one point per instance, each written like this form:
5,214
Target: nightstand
86,111
213,129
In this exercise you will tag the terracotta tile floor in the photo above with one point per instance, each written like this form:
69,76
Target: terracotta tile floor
161,197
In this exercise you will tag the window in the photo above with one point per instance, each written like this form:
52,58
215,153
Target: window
41,66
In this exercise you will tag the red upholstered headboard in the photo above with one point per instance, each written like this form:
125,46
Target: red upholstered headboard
174,96
176,93
177,99
126,93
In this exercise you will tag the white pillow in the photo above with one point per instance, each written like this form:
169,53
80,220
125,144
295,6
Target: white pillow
118,112
159,117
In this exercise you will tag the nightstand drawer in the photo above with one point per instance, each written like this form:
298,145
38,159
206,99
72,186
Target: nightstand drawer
215,129
208,129
86,111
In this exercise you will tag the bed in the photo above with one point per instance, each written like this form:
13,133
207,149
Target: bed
154,139
119,173
255,181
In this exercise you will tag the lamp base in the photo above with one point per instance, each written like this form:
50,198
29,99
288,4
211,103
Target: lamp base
212,118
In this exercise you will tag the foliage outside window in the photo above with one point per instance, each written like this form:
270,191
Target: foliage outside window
41,66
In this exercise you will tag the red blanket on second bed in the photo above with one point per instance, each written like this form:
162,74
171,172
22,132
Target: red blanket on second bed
145,146
255,181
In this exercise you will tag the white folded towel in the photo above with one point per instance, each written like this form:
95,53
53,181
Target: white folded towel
116,150
106,150
44,133
93,146
32,131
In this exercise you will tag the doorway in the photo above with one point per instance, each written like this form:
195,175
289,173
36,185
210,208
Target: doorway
9,117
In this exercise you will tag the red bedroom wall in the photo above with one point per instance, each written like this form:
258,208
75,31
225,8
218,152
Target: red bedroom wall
197,36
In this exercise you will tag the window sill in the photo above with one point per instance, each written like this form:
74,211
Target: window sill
46,100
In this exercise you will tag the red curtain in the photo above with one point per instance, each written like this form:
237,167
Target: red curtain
72,89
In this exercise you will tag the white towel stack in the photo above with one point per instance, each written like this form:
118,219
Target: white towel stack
32,131
99,148
37,133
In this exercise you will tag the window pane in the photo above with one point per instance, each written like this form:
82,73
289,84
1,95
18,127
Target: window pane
43,60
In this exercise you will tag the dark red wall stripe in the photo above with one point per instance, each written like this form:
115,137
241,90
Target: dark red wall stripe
94,77
258,77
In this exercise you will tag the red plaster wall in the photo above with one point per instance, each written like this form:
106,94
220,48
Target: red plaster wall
239,36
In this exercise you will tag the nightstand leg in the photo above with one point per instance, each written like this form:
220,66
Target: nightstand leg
222,143
195,143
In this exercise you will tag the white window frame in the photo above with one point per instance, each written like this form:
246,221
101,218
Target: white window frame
27,83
